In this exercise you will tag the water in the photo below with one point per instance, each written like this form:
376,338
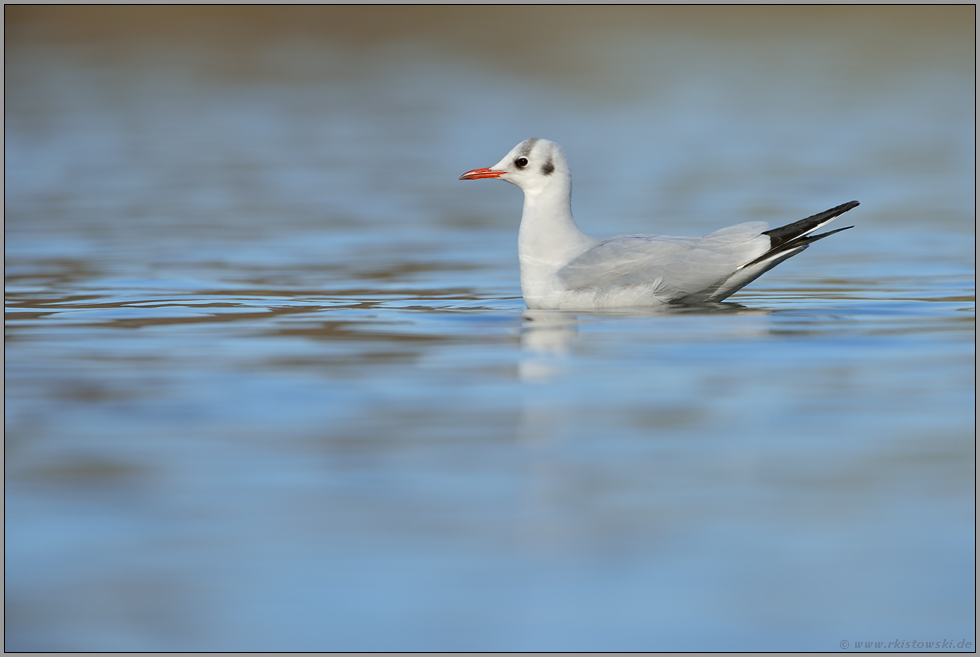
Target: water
270,383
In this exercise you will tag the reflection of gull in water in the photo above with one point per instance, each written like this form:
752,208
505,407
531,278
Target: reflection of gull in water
545,339
553,362
563,268
548,331
545,336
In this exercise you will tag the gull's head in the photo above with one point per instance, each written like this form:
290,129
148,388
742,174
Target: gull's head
533,165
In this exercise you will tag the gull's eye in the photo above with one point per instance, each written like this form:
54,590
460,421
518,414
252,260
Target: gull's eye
521,162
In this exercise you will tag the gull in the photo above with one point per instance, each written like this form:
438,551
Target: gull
562,268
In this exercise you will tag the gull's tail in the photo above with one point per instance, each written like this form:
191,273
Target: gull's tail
784,242
792,238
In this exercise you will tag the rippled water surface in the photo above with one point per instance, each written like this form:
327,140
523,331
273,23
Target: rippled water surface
270,383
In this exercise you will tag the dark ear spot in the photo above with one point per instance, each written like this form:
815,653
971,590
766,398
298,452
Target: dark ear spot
548,167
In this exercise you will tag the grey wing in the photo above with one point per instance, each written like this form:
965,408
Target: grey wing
677,266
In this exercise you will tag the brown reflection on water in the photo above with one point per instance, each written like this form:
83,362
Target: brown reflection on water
526,39
500,29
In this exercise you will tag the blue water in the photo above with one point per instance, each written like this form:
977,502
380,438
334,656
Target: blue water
270,383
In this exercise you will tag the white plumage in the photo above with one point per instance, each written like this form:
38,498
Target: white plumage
563,268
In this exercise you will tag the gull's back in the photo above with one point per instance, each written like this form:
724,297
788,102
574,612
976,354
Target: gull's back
663,268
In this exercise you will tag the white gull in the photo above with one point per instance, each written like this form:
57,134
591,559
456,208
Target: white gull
563,268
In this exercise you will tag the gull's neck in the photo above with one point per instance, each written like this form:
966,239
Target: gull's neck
549,238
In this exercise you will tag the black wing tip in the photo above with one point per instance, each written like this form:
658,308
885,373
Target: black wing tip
813,238
786,247
837,211
797,229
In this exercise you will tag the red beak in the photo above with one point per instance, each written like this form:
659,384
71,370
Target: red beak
476,174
